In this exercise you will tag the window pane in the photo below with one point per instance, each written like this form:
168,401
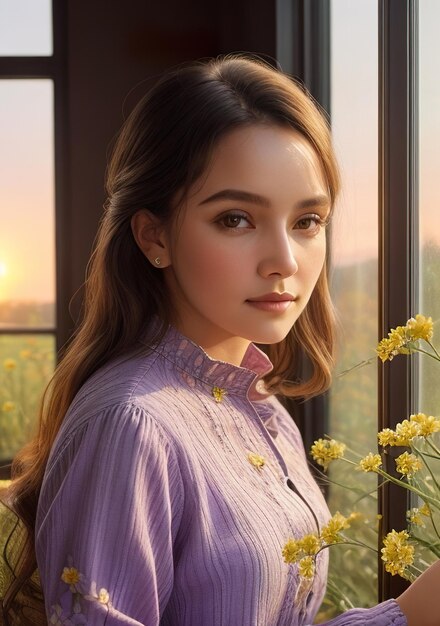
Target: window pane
429,154
25,27
27,244
429,201
353,398
26,364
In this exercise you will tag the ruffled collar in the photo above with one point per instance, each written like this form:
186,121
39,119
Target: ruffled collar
245,379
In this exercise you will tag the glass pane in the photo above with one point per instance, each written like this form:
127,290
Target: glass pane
429,227
25,27
353,397
26,364
27,232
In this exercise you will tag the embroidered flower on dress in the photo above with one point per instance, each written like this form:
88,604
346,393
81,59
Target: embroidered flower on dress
218,393
103,596
72,607
70,576
256,460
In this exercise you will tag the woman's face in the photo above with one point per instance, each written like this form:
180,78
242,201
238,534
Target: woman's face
249,244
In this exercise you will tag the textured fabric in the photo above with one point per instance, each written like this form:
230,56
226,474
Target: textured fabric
165,500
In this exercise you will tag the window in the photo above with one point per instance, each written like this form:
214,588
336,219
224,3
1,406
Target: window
29,92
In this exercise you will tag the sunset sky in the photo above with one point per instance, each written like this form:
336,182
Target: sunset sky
26,146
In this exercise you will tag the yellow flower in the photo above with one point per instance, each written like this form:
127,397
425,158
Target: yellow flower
415,517
393,344
387,437
8,406
330,532
256,460
420,327
405,432
408,464
371,462
25,354
103,596
9,364
383,351
354,517
70,575
425,510
427,424
307,567
291,551
310,544
324,451
218,393
397,338
397,553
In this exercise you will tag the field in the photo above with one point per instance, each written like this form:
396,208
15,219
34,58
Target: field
26,364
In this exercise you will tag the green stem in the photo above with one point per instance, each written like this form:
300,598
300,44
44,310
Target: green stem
347,542
363,363
396,481
433,446
433,356
338,595
432,346
434,547
427,466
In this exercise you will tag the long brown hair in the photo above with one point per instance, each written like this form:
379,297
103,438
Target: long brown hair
162,149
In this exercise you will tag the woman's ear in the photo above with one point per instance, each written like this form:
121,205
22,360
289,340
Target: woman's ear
150,236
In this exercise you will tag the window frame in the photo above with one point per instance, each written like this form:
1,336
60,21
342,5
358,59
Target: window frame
52,67
398,237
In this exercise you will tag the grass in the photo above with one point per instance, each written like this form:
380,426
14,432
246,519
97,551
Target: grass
26,365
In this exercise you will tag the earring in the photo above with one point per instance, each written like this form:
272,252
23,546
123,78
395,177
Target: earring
157,260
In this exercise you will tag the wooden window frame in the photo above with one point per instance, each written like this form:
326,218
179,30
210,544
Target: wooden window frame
53,68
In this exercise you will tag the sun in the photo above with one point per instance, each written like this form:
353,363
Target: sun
3,270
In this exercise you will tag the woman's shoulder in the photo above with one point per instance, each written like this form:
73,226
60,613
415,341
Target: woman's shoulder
119,383
123,392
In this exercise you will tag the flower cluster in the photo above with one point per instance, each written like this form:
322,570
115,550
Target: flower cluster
401,339
303,551
417,433
418,425
414,515
397,553
324,451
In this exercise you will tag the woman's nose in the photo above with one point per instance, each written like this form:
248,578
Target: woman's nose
278,258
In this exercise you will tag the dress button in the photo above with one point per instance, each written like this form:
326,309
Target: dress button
260,387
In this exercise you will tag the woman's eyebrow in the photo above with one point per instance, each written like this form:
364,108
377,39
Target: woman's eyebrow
235,194
246,196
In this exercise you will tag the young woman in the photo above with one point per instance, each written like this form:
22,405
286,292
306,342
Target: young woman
166,476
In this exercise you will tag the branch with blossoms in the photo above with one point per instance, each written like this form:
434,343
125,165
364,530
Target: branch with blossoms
418,433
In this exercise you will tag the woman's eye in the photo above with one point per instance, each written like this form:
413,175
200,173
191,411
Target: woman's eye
311,223
233,220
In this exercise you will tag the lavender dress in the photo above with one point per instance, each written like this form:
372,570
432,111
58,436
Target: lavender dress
155,508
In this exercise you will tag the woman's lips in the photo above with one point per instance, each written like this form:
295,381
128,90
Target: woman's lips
272,302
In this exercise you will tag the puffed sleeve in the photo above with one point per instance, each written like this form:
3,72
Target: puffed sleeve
387,613
108,515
